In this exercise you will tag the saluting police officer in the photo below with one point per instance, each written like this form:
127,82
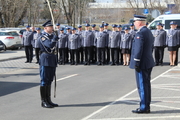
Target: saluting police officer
27,43
142,61
87,43
101,41
48,63
107,50
94,51
114,42
62,46
159,43
36,43
80,49
119,29
172,42
73,45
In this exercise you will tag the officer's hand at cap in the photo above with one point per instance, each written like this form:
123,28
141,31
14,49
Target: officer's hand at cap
137,68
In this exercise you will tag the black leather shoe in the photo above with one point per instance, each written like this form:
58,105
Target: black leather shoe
139,111
27,62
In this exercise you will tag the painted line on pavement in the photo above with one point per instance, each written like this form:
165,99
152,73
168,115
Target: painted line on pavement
67,77
138,118
121,98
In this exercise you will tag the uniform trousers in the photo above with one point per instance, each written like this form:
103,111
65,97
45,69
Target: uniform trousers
87,54
62,55
81,54
115,55
101,55
47,74
176,61
159,54
37,50
67,55
74,56
144,87
107,54
28,52
120,56
93,54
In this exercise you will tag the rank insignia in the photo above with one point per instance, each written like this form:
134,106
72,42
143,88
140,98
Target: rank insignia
43,38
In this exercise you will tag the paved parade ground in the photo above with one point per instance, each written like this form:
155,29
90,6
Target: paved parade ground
85,92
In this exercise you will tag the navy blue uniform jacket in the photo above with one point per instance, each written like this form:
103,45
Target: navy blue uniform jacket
142,46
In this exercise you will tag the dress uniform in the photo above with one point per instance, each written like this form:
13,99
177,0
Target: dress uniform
107,50
73,45
159,44
27,39
114,42
62,46
94,51
101,41
87,43
80,49
58,28
48,64
68,32
125,45
142,61
119,28
132,30
36,43
172,42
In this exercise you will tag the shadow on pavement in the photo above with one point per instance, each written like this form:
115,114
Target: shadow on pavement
10,75
12,87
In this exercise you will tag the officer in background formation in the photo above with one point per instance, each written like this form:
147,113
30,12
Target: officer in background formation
36,43
68,32
125,45
119,29
172,42
48,64
159,44
27,39
114,42
94,51
107,50
101,41
142,61
87,43
132,30
58,28
62,46
73,45
80,49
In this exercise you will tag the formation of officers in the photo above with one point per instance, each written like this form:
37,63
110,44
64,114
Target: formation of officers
95,46
102,46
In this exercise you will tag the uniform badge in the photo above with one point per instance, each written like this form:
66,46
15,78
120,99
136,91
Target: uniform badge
138,37
43,38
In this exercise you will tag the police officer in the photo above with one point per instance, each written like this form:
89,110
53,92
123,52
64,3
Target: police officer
58,28
80,49
125,45
94,51
119,29
132,30
101,41
73,45
159,43
87,43
142,61
62,46
68,32
36,43
114,42
48,63
107,50
172,42
27,43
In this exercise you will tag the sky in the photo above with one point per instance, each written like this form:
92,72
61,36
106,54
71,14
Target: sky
104,1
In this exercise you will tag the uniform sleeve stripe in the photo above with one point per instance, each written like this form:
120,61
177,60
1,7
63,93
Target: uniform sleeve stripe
136,59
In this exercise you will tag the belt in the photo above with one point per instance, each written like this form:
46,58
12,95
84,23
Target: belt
49,53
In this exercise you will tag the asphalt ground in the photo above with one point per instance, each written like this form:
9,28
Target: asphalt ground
86,92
